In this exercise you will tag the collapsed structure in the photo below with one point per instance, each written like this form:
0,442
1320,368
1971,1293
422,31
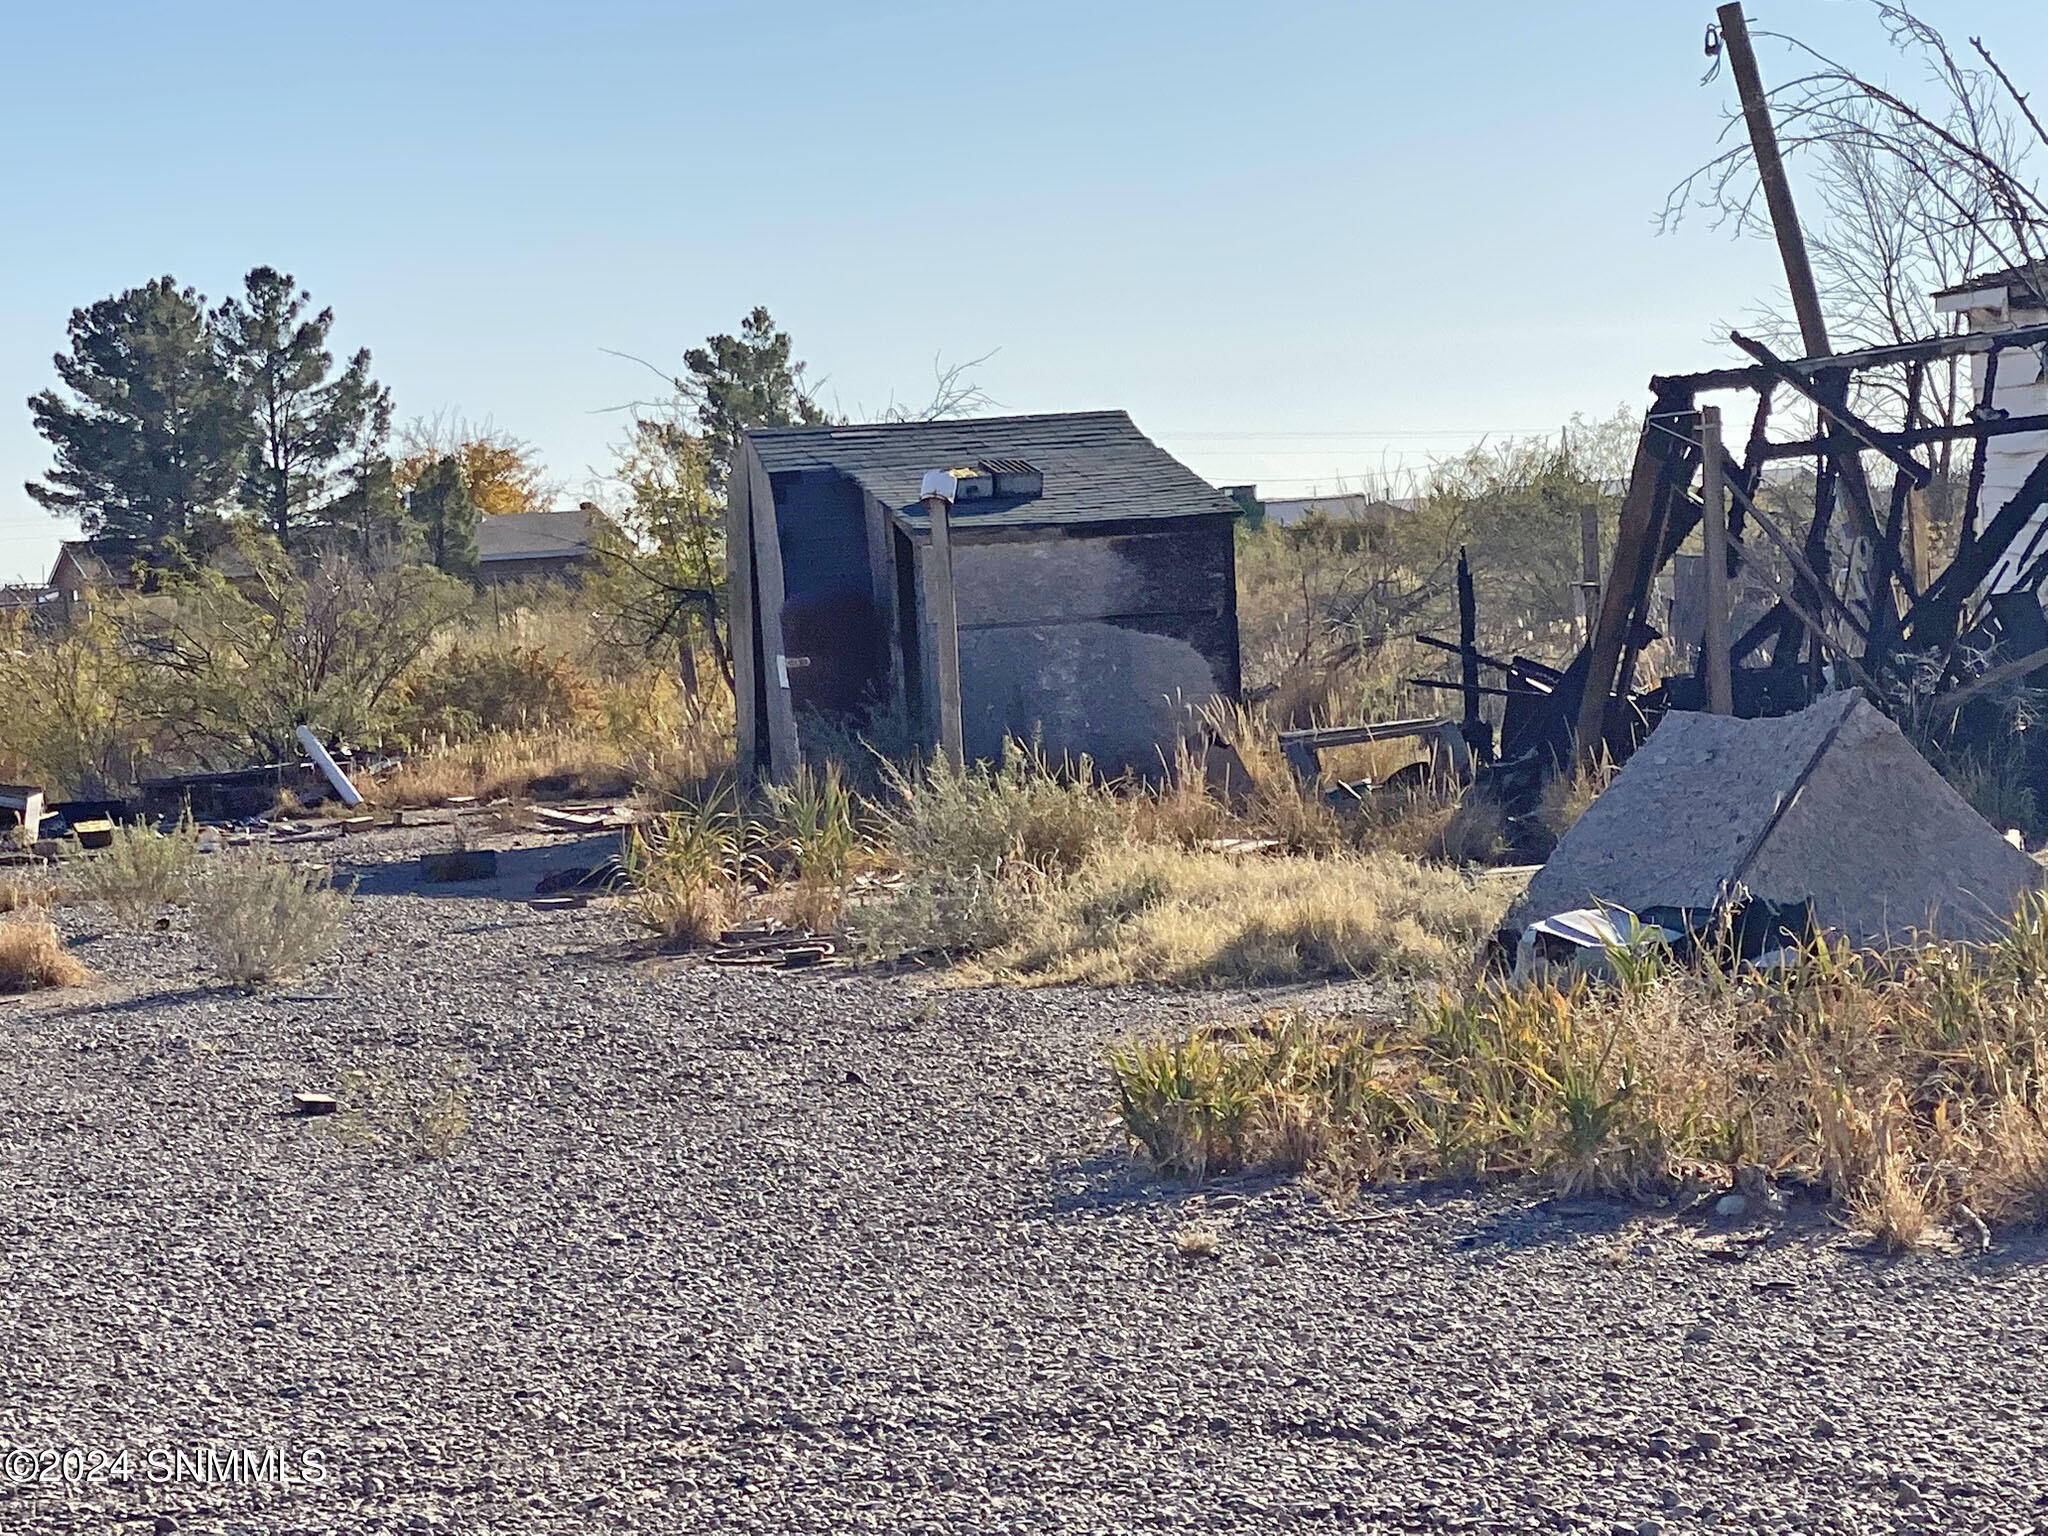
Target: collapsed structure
1093,577
1839,619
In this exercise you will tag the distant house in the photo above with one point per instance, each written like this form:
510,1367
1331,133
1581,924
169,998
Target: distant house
28,596
81,570
1094,577
1376,513
519,546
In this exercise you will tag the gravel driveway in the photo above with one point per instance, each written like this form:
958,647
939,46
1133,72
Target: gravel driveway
610,1243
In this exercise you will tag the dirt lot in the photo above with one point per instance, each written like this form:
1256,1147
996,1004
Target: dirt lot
604,1242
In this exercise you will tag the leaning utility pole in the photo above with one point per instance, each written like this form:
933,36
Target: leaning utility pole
1852,489
1770,170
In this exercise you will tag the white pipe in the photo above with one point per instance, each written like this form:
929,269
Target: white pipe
327,765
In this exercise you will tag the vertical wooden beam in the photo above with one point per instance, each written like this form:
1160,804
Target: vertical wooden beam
1714,534
1918,544
770,593
1474,728
1589,567
938,506
740,614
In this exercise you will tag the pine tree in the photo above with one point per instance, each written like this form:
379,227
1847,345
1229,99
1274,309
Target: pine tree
150,444
304,417
748,380
445,516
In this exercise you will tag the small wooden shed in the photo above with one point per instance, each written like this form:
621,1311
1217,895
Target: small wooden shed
1094,576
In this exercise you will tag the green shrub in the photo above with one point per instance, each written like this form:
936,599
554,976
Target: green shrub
261,918
689,869
944,912
981,817
140,871
469,693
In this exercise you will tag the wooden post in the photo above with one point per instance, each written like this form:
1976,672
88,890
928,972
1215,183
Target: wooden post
937,495
1473,727
1770,171
769,596
1921,557
1589,567
1714,532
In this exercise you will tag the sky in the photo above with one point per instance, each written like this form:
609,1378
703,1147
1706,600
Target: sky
1302,243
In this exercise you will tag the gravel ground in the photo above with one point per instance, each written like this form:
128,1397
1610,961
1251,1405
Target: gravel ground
830,1252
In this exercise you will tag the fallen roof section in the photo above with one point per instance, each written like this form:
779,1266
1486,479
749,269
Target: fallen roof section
1831,805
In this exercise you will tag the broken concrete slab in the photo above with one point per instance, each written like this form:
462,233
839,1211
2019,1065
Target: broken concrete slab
1831,805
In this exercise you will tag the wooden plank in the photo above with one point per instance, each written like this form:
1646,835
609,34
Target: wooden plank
1631,552
1324,736
739,607
769,593
1932,349
946,630
882,586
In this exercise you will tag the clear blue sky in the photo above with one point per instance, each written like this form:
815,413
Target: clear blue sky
1296,241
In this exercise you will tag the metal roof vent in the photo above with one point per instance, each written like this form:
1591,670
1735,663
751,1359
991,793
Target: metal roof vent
1014,477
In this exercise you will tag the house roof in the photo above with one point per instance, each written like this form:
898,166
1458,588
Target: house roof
91,565
2027,283
1098,467
533,535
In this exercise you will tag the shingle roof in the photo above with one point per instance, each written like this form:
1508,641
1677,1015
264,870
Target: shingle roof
533,535
1098,467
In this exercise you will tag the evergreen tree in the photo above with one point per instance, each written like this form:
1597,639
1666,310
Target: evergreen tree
748,380
445,516
304,418
150,444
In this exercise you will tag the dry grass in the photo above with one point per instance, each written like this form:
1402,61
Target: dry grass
549,764
32,956
1566,796
1908,1090
26,893
664,750
1139,913
403,1112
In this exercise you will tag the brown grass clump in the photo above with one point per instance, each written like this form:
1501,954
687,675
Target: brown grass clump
2013,1183
25,893
640,740
1907,1089
32,956
1150,914
1476,831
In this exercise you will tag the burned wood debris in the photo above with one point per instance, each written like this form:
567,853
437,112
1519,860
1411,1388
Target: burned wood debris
1853,601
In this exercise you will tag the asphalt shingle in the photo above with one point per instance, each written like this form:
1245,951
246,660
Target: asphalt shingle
1098,467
